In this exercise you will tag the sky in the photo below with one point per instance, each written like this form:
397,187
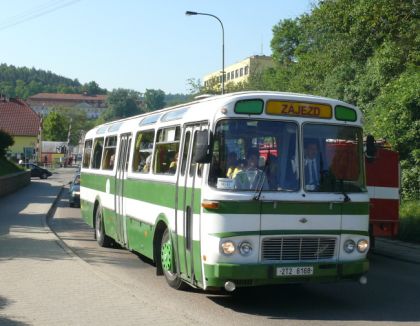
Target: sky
138,44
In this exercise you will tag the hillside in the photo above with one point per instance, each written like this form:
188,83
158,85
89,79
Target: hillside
23,82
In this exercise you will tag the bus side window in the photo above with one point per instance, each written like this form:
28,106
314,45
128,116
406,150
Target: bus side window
108,160
185,152
97,153
87,153
143,150
167,148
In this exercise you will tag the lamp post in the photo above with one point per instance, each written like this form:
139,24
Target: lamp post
193,13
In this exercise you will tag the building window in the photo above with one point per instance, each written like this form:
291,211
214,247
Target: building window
246,70
232,75
236,73
241,72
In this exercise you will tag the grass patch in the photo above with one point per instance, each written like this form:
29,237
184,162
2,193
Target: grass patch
7,167
410,221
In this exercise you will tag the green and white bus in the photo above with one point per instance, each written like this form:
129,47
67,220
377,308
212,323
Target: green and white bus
237,190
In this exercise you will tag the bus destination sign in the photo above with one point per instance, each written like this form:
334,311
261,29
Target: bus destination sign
309,110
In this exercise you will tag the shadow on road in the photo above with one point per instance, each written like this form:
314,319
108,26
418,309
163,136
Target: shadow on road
376,301
5,321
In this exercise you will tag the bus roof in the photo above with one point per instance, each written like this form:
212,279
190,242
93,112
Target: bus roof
194,110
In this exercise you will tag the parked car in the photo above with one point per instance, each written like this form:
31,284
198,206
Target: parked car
74,192
37,171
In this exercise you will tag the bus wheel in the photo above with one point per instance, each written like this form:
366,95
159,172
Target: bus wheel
100,235
168,262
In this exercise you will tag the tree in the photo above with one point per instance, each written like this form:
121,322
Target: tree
5,141
122,103
362,52
78,122
154,99
55,127
92,88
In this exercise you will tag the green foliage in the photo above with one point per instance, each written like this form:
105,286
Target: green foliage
55,127
154,99
410,221
122,103
363,52
24,82
5,141
175,99
7,167
77,122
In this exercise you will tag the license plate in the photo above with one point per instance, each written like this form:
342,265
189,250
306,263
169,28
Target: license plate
295,271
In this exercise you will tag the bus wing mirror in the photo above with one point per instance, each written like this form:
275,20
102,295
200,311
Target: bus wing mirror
202,150
370,147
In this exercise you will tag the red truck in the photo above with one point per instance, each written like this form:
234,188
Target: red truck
383,183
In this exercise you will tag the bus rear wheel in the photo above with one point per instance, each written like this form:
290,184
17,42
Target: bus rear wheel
168,262
100,235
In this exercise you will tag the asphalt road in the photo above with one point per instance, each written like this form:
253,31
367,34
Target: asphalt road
392,295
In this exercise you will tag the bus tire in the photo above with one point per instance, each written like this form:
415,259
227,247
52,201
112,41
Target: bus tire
100,235
167,260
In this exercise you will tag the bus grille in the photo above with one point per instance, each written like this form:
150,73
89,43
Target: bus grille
298,248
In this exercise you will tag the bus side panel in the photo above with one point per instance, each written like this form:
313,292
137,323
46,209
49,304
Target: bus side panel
189,259
140,236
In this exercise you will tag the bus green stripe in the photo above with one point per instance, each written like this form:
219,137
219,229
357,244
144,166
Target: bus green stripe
153,192
288,232
289,208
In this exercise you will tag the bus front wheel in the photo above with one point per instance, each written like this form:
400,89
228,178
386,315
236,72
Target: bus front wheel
168,262
100,235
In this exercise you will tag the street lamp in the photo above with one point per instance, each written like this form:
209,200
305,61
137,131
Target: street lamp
193,13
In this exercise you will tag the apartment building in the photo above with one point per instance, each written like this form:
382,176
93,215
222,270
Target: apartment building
239,72
93,105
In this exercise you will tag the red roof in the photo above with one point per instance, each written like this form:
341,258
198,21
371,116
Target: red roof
18,119
66,97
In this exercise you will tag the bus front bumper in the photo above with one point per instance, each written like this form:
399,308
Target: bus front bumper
244,275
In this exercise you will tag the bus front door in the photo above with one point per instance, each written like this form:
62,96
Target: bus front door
120,177
188,209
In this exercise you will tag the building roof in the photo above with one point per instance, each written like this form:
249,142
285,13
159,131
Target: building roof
18,119
66,97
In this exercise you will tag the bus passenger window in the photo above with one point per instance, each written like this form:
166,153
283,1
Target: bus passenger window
185,152
143,150
97,153
165,160
87,153
108,160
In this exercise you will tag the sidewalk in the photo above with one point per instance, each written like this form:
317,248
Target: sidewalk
42,283
404,251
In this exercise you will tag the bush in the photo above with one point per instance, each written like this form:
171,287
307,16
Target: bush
410,221
5,141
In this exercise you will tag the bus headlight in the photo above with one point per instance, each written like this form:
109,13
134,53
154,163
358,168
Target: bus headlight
245,248
349,246
362,245
227,247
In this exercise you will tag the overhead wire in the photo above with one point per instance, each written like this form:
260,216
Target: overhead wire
35,12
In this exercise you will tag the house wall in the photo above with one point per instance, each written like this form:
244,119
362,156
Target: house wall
21,142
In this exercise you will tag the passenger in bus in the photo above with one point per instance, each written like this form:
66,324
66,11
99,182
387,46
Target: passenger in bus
312,166
251,177
147,164
173,164
232,165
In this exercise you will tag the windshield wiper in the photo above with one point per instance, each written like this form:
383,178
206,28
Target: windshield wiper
346,197
261,185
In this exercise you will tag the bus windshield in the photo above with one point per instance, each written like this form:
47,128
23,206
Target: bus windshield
332,158
254,155
265,155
